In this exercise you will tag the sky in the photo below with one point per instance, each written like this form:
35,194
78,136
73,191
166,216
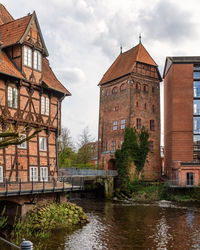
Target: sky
83,38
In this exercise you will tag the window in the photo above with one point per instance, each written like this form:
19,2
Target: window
12,97
152,125
37,62
196,74
44,105
123,87
33,175
190,179
1,174
116,108
145,106
23,145
42,143
153,108
44,174
196,88
145,88
115,125
123,124
139,123
196,107
196,141
104,146
151,146
107,92
113,145
137,105
27,56
153,90
196,125
115,90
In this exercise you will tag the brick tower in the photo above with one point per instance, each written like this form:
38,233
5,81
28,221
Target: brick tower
130,96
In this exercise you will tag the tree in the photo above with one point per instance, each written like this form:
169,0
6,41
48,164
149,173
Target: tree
135,149
11,137
66,154
85,151
65,140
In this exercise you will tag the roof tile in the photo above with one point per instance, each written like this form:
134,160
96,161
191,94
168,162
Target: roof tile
5,16
125,62
12,32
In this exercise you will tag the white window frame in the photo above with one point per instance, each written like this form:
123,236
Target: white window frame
42,143
12,97
33,174
115,125
27,56
44,174
123,123
45,105
37,60
1,174
23,145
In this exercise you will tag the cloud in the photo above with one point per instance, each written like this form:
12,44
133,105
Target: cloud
167,22
71,75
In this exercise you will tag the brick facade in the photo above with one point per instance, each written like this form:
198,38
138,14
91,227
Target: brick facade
178,119
130,98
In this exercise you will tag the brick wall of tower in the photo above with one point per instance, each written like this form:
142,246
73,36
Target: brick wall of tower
178,115
132,103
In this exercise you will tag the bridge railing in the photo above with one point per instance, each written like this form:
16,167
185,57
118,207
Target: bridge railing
86,172
15,186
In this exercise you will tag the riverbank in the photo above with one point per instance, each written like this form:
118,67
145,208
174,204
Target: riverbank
141,191
39,223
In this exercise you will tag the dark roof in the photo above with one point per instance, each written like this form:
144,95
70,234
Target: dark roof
125,62
179,59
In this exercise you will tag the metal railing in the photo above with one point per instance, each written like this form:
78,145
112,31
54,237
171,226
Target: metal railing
17,186
86,172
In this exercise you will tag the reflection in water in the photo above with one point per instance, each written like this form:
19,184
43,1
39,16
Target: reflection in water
123,226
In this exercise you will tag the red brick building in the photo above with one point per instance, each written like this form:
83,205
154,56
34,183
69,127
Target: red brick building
130,96
30,94
182,119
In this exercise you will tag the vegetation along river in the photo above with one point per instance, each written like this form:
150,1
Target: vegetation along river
123,225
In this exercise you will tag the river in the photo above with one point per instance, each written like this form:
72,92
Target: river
132,225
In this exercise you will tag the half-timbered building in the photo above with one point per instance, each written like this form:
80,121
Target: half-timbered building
30,95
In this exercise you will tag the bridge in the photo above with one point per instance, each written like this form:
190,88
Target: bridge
19,197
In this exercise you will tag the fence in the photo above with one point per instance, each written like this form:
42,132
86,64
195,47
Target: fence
15,186
86,172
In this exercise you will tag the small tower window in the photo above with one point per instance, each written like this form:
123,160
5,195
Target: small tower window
139,123
115,90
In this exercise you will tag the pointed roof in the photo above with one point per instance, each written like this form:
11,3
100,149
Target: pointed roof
12,32
50,79
5,16
125,63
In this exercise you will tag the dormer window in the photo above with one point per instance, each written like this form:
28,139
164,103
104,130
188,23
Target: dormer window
44,105
27,56
12,97
37,62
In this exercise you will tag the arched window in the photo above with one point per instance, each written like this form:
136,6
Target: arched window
123,87
153,108
137,86
145,88
115,90
107,92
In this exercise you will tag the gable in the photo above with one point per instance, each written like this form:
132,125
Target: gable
33,34
5,16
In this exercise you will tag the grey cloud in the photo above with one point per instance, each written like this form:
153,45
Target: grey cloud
167,22
71,75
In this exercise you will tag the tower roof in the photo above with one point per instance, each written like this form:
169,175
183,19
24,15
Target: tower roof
125,63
